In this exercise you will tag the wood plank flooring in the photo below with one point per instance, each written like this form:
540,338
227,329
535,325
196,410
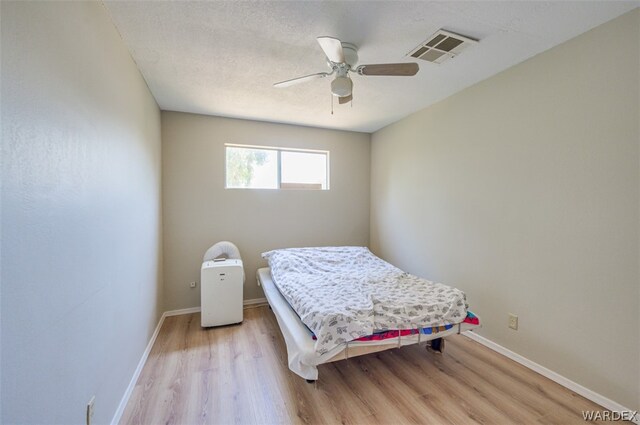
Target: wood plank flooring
239,375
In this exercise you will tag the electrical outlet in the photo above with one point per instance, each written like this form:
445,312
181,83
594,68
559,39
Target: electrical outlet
513,321
90,409
193,284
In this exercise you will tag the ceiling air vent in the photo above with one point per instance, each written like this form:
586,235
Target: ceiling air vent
441,46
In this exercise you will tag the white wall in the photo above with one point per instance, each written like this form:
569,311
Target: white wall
199,211
81,221
523,191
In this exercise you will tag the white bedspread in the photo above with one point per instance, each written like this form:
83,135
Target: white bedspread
343,293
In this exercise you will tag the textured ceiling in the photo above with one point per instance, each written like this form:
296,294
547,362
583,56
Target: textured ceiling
222,58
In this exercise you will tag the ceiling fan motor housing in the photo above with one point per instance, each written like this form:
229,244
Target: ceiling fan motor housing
350,52
341,86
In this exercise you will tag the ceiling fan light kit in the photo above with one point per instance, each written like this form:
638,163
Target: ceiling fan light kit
341,86
342,59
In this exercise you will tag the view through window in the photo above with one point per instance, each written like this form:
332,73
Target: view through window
251,167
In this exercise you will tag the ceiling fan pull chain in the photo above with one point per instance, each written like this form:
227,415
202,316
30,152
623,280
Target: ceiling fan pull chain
331,104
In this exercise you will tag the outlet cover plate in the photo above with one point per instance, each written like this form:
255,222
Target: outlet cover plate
513,321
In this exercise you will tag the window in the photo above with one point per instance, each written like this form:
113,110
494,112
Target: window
257,167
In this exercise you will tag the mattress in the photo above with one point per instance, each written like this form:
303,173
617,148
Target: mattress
345,293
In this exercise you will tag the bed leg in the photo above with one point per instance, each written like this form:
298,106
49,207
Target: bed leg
437,345
311,381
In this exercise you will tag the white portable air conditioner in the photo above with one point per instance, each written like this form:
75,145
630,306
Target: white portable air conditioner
221,283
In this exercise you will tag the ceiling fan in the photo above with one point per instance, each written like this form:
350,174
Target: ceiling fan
342,59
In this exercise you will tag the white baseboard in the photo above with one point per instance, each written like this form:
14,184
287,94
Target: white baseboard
182,311
136,373
555,377
145,354
255,302
245,303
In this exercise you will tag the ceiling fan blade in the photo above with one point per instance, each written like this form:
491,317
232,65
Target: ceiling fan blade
345,99
298,80
398,69
332,48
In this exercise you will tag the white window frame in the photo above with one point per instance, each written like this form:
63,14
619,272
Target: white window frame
279,151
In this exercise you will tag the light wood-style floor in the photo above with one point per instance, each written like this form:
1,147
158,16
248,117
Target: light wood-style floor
238,375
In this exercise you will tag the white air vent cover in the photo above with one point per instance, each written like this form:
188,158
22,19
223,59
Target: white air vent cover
441,46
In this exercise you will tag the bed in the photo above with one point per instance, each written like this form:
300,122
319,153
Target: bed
333,303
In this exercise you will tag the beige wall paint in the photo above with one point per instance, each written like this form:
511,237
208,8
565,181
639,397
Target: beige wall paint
81,223
523,191
199,211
